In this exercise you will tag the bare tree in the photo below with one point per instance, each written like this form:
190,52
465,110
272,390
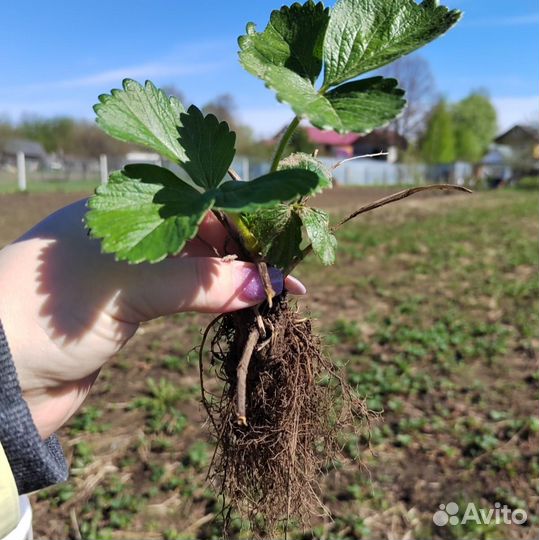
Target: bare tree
224,107
415,77
172,90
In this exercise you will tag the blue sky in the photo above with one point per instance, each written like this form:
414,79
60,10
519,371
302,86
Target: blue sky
57,56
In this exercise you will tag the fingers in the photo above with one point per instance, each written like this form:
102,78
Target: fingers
211,240
294,286
204,284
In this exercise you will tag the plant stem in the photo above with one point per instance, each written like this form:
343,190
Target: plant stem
372,206
397,197
241,374
233,174
323,89
283,142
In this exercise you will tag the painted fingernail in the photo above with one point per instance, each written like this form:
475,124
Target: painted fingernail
295,286
252,286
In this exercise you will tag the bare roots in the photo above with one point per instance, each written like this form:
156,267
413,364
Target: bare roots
278,418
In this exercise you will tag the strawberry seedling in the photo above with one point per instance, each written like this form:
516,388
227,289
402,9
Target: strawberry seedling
283,403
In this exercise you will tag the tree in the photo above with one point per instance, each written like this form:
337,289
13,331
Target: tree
88,141
172,90
438,142
415,77
224,107
300,142
55,134
475,124
6,131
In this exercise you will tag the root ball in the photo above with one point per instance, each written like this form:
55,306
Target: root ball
269,457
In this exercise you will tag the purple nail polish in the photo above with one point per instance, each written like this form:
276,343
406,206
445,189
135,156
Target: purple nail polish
252,287
277,279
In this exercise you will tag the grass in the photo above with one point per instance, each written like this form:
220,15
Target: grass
433,310
51,186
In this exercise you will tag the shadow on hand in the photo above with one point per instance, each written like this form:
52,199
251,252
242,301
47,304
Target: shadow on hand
77,283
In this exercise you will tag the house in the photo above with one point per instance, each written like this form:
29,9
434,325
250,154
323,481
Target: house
356,144
496,165
523,141
33,151
381,140
332,143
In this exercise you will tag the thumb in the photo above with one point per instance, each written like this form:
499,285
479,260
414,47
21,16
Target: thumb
205,284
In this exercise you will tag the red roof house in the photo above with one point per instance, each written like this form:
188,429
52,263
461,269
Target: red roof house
332,142
354,144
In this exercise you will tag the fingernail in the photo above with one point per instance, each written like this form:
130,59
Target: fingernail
252,286
295,286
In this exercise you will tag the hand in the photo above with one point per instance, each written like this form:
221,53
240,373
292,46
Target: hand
67,308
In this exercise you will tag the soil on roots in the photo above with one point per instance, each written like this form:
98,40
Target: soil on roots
296,405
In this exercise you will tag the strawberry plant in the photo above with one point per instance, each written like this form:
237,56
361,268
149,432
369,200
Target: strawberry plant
283,402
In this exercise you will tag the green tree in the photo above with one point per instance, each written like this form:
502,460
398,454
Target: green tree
300,142
6,131
88,141
475,123
438,143
54,134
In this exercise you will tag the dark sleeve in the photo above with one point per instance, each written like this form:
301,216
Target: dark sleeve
35,463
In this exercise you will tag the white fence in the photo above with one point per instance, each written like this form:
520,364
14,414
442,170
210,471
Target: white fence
363,172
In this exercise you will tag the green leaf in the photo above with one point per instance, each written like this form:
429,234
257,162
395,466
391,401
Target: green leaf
142,115
278,233
364,105
285,247
145,213
363,35
208,145
292,40
316,223
264,191
301,160
358,106
267,223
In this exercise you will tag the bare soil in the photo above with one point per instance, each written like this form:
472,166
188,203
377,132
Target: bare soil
432,310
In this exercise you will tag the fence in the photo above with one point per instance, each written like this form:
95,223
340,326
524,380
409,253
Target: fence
24,172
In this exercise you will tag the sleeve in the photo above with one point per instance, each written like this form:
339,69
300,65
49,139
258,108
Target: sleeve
35,463
9,497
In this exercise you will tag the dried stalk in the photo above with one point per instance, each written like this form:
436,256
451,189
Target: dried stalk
243,368
377,204
397,197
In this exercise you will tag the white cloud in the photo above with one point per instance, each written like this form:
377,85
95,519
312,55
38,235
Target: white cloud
514,110
142,71
201,55
115,76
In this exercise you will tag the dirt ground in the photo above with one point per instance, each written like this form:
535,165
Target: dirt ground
20,211
433,311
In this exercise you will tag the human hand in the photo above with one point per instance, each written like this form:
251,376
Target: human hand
67,308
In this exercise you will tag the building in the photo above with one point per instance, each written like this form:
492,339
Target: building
33,151
332,143
381,140
496,165
355,144
523,143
